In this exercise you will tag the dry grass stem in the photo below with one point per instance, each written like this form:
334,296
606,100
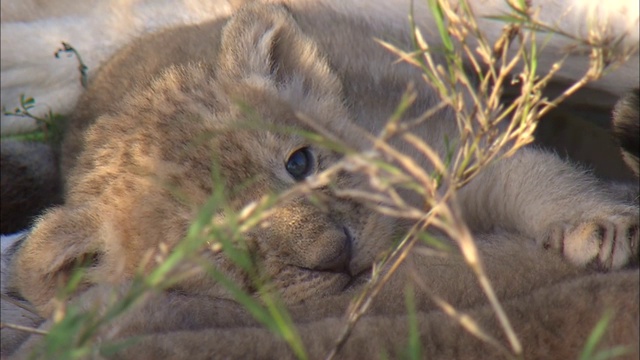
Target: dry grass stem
463,319
26,329
17,303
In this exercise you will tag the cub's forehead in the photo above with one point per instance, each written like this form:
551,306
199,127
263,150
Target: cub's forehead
282,106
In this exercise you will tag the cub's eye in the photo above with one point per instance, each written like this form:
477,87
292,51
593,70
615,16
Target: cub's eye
300,164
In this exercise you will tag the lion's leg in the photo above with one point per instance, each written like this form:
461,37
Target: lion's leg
554,320
543,197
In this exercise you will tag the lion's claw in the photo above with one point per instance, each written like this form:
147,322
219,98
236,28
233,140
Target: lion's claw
603,244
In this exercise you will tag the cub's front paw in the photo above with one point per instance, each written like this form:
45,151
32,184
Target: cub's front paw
602,243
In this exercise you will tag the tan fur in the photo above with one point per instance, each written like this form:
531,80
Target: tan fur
170,110
551,322
552,305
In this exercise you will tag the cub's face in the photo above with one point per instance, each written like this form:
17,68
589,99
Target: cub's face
240,128
271,106
314,241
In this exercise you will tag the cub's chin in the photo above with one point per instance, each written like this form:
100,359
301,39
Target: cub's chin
296,284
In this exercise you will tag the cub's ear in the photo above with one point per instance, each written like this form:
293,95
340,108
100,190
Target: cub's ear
626,128
264,42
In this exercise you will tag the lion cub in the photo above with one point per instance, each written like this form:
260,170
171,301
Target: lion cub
225,108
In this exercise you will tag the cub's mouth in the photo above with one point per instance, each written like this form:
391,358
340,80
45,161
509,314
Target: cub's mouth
357,281
336,281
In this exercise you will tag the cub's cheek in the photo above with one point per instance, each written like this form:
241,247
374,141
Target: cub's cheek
376,236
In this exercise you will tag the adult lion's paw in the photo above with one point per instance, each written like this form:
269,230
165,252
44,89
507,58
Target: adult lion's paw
605,243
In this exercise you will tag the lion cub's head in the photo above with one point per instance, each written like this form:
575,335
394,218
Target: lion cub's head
239,125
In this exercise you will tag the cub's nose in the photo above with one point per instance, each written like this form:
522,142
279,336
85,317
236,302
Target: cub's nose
337,260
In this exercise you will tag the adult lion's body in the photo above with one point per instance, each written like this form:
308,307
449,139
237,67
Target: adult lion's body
208,109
